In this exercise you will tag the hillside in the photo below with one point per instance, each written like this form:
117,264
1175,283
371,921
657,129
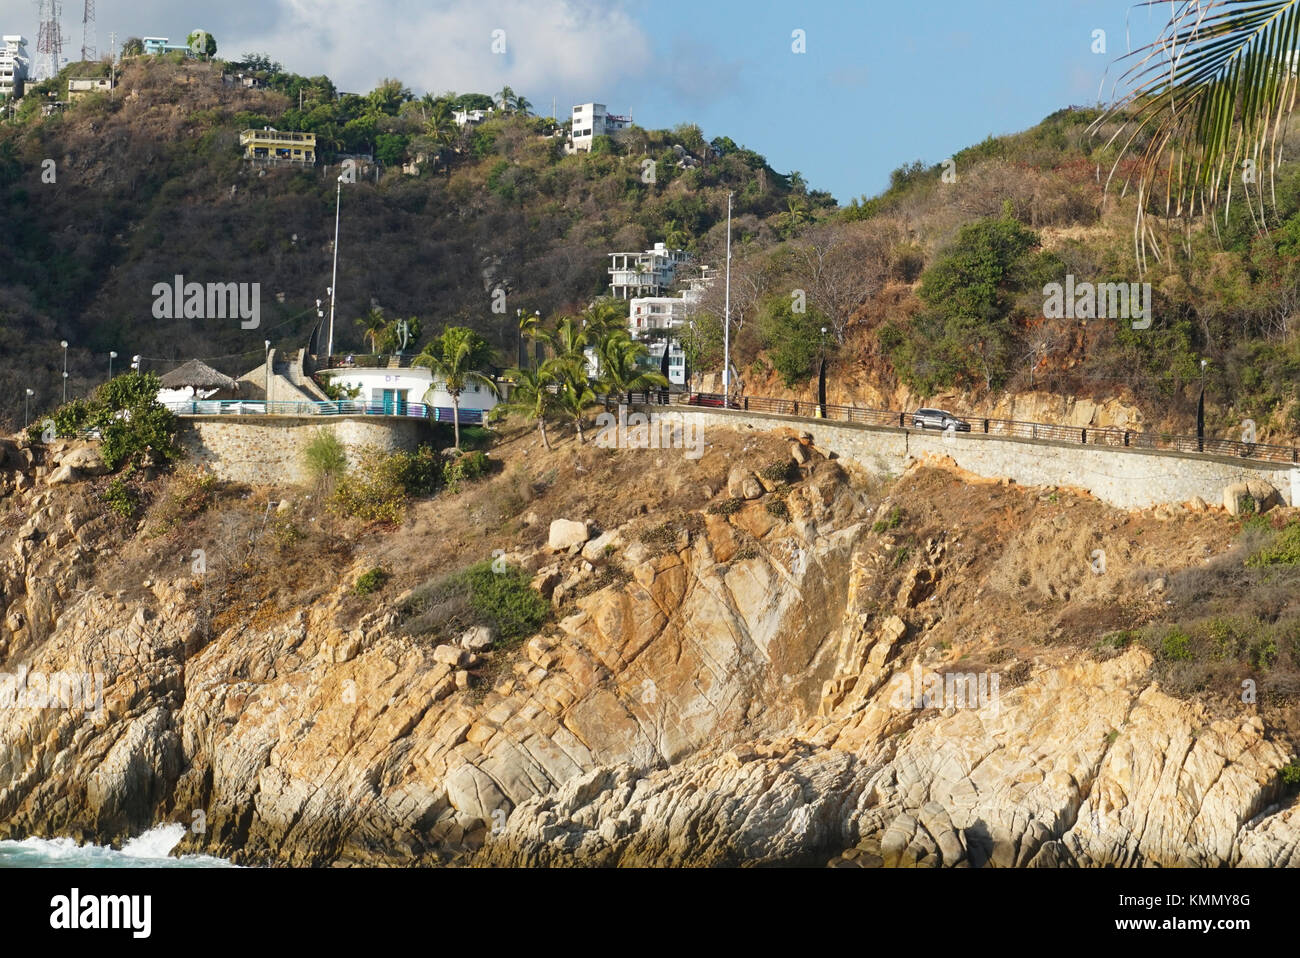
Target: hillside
932,292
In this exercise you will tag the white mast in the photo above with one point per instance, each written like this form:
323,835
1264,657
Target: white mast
726,312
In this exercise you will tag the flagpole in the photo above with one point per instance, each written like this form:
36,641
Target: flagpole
726,312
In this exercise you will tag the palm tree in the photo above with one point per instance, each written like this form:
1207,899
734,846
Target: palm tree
441,125
522,106
674,236
575,394
602,317
1211,94
452,359
506,99
533,396
373,325
619,371
530,328
569,338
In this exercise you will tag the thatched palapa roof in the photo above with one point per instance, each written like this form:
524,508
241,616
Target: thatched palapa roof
198,375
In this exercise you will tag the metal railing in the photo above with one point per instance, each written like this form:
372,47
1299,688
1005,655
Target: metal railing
340,407
1083,435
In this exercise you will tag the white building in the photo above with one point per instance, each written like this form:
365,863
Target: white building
648,273
395,389
14,64
591,120
471,116
84,86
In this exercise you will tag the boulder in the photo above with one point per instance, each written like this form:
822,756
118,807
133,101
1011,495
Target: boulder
450,655
736,480
62,476
566,533
1252,495
799,453
85,460
477,639
595,549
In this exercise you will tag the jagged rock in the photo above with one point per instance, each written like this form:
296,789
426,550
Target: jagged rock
567,533
595,549
546,580
799,453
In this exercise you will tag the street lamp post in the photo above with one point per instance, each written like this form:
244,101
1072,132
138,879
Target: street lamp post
135,362
64,344
111,356
27,405
267,363
338,205
1200,412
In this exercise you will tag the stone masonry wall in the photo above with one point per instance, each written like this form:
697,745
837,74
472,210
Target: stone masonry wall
268,450
1125,478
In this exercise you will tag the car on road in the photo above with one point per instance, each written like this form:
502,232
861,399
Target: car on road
927,418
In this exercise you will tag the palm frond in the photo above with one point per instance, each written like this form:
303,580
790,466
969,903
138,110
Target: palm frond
1213,91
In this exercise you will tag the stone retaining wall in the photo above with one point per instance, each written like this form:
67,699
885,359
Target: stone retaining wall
268,450
1126,478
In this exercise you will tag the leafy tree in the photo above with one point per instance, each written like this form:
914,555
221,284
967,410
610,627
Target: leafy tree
134,47
472,101
390,148
202,43
454,359
388,97
792,339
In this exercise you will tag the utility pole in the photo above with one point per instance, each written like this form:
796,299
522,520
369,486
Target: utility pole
726,313
338,200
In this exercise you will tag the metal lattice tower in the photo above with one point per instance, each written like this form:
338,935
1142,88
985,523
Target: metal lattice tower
88,31
49,41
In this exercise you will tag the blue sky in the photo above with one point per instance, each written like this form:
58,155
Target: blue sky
879,84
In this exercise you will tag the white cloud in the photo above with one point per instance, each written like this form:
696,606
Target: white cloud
552,47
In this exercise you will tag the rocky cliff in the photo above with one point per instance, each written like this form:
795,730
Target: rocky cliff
806,668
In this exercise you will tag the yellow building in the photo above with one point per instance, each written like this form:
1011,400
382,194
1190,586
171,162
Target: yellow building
271,144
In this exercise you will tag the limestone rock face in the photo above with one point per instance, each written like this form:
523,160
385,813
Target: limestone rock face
758,690
1254,495
85,460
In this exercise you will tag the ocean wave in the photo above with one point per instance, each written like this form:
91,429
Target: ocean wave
149,850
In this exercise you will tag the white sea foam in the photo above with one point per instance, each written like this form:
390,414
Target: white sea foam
149,850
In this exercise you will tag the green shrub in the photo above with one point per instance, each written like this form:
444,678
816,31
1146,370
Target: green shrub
324,456
133,425
777,507
372,492
371,581
726,507
506,600
1290,774
465,467
1176,645
121,498
191,492
784,471
891,521
1284,549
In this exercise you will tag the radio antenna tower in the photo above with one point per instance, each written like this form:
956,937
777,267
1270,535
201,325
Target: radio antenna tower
88,32
49,41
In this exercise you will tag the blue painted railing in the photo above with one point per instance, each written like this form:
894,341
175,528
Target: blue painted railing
340,407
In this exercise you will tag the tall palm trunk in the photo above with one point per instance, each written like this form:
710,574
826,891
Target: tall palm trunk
541,425
455,415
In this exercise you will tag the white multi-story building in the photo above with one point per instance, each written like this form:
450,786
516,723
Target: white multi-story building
591,120
14,63
647,314
649,273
